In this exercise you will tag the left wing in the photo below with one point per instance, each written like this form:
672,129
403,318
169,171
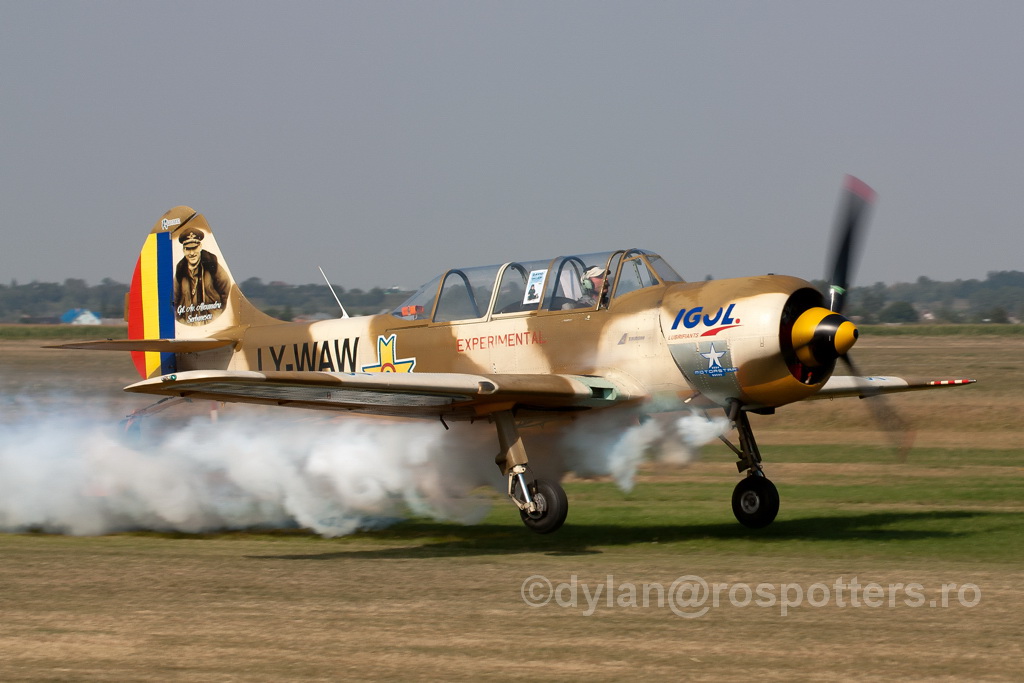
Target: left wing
865,387
401,394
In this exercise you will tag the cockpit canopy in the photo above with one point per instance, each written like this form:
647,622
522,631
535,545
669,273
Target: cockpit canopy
509,289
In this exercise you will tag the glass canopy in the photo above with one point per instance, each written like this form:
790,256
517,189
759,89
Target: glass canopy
518,288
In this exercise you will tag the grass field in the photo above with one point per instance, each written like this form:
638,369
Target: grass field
921,561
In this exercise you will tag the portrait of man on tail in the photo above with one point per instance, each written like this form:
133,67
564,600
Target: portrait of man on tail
200,285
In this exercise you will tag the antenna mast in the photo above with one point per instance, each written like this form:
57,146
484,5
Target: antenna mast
344,313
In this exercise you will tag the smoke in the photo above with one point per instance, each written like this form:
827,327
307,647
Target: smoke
271,469
616,442
332,476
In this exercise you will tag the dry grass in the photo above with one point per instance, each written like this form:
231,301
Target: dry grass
125,608
443,602
985,415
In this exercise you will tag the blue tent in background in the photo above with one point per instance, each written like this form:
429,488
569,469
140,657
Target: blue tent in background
80,316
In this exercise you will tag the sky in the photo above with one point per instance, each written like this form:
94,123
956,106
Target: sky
389,141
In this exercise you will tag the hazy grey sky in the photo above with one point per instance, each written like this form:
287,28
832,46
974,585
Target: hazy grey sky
387,141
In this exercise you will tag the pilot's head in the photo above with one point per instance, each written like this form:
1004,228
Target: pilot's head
593,279
191,243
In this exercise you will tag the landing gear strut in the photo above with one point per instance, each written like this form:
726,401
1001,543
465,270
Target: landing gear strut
542,504
755,500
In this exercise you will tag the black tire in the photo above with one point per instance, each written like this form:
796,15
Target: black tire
755,502
551,497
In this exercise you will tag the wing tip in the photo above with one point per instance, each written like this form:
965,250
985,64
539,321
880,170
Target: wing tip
950,382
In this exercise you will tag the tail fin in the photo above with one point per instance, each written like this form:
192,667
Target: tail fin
183,289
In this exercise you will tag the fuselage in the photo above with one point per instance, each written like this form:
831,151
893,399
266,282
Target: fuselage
723,339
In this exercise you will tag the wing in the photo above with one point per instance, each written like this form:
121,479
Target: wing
403,394
865,387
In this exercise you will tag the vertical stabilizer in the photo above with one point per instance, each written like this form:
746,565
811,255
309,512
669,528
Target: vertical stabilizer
182,289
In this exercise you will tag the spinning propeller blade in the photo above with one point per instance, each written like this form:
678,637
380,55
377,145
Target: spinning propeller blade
898,431
850,224
857,199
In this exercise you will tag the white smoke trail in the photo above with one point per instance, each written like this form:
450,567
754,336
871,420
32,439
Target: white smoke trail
333,476
615,442
285,469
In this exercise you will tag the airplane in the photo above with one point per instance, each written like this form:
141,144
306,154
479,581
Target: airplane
511,344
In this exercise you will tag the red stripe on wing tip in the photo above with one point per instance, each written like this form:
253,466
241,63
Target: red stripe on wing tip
860,188
950,382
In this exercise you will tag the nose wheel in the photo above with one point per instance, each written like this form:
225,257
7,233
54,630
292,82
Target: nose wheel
755,501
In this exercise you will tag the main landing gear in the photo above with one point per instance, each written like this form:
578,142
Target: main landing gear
755,500
542,504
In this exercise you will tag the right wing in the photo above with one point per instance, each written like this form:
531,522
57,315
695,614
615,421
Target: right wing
839,386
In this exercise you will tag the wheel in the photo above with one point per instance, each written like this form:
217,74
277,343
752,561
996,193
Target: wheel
755,502
553,504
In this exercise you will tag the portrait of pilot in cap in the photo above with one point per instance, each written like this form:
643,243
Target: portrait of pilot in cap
200,285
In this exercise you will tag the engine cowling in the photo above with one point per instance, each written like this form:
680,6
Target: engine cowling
764,341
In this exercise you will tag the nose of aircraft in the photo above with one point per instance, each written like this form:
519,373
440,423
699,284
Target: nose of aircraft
821,336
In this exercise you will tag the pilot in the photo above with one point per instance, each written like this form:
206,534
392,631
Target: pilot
200,284
594,284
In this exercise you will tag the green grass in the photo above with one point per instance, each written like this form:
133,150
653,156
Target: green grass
882,510
834,454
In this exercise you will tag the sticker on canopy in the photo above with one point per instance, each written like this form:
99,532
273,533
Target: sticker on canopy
535,286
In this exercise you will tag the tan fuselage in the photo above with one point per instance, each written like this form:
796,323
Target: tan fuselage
719,338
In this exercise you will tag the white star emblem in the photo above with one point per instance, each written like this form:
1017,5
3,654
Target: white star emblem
713,357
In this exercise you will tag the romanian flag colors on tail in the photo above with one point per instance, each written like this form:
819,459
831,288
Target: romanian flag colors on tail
151,304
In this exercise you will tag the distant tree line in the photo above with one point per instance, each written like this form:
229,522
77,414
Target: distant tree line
47,301
40,302
290,301
999,298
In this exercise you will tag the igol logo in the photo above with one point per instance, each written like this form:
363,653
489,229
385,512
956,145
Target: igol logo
691,318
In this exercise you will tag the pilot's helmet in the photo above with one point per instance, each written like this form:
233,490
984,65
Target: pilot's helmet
591,272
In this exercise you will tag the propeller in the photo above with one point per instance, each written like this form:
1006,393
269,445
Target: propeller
857,201
898,431
822,336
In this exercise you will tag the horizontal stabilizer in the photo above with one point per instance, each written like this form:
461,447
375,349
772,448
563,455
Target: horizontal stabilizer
163,345
866,387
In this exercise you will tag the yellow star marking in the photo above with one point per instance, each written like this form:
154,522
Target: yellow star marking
386,361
